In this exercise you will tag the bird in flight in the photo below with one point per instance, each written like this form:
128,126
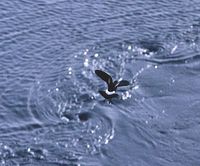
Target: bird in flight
110,92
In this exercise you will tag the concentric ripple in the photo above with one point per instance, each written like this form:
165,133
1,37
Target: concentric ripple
167,49
50,111
69,116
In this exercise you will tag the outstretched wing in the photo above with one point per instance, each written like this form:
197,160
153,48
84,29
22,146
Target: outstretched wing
123,83
106,96
104,76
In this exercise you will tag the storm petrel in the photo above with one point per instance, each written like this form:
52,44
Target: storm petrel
112,86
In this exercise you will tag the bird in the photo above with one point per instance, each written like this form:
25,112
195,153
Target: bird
112,85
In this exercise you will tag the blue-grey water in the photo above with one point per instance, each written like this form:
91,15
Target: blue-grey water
51,113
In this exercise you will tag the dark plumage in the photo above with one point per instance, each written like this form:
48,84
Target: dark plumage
112,86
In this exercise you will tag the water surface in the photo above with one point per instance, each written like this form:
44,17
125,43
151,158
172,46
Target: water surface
50,109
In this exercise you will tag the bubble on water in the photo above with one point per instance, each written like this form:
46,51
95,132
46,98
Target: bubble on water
129,47
70,70
136,87
66,145
148,66
3,162
85,52
88,146
96,55
5,147
57,89
142,50
106,141
172,80
86,62
75,141
92,131
30,151
109,137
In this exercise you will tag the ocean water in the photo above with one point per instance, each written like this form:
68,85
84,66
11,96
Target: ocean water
51,113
